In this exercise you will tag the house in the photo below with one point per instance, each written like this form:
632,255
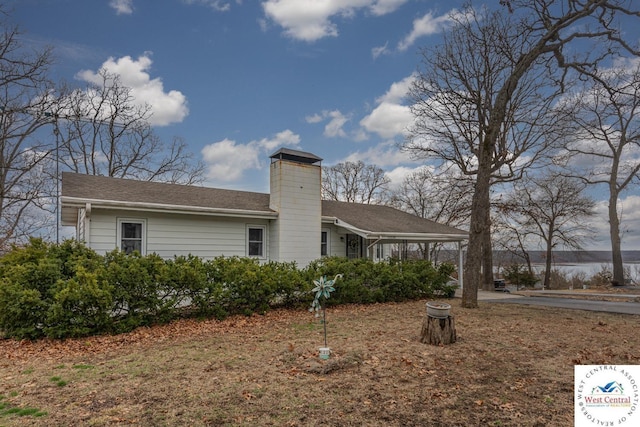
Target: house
291,223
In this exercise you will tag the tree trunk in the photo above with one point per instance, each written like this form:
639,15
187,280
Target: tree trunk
614,230
438,331
487,256
473,278
549,255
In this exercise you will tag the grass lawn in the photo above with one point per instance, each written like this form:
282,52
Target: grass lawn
511,366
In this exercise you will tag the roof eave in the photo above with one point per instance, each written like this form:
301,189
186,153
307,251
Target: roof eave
389,235
419,237
77,202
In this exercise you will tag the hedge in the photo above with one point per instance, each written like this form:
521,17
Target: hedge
68,290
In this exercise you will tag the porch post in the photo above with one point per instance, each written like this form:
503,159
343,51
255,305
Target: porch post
460,266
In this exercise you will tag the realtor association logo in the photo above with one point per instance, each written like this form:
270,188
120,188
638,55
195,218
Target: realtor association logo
607,395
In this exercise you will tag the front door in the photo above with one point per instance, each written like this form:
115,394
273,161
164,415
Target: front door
354,246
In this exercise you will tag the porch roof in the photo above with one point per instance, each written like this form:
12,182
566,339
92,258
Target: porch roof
385,223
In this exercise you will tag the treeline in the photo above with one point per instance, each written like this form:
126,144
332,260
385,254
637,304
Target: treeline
68,290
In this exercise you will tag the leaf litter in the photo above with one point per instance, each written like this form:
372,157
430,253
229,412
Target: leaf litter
511,366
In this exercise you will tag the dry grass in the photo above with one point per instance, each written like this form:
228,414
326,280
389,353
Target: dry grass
512,366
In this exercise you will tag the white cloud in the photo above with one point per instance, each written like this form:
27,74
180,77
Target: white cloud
122,7
398,174
360,135
167,107
311,20
336,122
383,154
629,224
286,138
334,127
227,160
380,50
383,7
425,26
398,90
217,5
316,118
390,118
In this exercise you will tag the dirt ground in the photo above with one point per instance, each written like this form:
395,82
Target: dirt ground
512,365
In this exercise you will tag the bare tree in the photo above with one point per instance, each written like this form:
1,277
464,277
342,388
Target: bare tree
455,98
553,210
484,97
24,194
104,132
512,239
444,197
354,182
607,141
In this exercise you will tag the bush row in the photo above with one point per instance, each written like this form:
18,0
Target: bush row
68,290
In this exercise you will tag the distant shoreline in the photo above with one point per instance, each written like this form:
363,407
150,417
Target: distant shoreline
568,257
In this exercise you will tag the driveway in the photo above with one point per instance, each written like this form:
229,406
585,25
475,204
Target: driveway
564,299
572,303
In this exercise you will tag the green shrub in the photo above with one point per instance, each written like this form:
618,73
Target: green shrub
82,306
213,299
518,275
30,283
22,311
139,298
71,254
287,284
68,290
365,281
187,278
249,291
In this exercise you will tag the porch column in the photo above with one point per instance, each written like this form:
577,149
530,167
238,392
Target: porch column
460,266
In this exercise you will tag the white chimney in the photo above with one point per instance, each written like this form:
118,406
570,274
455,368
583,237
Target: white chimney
295,179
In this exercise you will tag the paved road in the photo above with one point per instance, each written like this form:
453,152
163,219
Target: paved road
576,304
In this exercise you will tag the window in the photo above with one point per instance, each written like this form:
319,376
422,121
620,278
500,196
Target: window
131,235
324,243
255,244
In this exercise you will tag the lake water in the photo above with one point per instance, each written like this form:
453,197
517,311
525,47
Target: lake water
588,268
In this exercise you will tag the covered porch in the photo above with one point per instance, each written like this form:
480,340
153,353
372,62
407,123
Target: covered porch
370,231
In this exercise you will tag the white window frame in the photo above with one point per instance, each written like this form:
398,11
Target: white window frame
263,255
143,238
328,243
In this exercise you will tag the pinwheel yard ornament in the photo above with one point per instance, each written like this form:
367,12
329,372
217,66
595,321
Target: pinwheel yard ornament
322,292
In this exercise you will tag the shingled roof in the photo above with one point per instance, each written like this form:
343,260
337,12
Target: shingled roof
78,189
101,188
383,219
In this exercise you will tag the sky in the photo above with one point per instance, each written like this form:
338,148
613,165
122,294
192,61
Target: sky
238,79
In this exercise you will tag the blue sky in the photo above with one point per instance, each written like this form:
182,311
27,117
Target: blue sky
238,79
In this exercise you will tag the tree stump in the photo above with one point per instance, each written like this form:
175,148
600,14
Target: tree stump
437,331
